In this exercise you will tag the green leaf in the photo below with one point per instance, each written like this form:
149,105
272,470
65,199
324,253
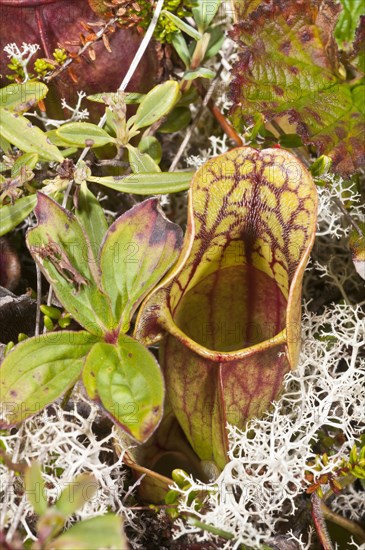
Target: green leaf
28,160
35,488
141,162
181,47
12,215
289,69
39,370
290,140
19,131
21,97
188,97
63,253
201,72
129,97
204,12
151,146
348,21
157,103
92,534
177,120
140,246
188,29
84,134
147,184
5,145
56,140
91,216
217,37
320,166
130,385
76,494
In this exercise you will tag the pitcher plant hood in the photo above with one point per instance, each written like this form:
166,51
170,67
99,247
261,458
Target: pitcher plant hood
229,311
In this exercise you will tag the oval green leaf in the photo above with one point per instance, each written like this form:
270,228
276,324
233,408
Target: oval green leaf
28,160
188,29
84,134
147,184
129,97
141,162
12,215
181,47
152,147
39,370
157,103
177,120
91,217
201,72
92,534
204,12
19,131
129,384
216,40
56,140
21,97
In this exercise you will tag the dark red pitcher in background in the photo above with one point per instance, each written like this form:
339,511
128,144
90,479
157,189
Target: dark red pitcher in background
59,24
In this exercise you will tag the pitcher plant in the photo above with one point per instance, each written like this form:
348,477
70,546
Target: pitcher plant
229,311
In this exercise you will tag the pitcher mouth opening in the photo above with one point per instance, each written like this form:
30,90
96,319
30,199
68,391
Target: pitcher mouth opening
231,310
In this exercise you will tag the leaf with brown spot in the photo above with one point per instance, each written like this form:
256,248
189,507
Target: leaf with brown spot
289,67
64,254
39,370
138,249
230,307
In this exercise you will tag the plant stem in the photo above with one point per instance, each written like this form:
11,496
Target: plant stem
221,119
347,216
39,298
195,122
210,529
319,522
350,526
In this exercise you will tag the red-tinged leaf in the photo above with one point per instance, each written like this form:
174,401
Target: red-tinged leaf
289,69
138,249
230,307
64,254
127,380
358,48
